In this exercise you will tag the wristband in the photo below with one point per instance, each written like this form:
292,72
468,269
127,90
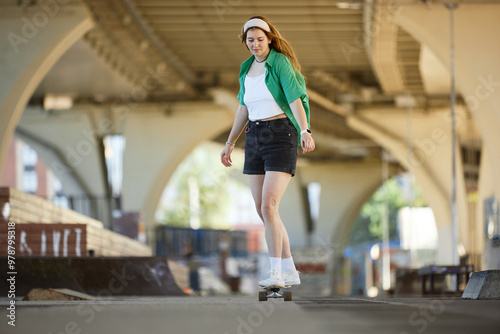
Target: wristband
304,131
228,142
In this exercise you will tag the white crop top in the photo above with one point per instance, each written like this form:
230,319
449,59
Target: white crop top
258,99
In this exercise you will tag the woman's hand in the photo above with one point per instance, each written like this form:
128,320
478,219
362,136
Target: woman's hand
307,142
225,156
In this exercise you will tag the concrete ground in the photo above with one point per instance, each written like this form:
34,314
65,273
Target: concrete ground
244,314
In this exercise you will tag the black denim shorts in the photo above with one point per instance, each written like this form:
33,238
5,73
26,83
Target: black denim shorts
270,146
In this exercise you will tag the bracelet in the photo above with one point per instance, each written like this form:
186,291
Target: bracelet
228,142
304,131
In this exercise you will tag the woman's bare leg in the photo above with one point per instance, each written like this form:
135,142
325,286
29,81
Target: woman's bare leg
267,191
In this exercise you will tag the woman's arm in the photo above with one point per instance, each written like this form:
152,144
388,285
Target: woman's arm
307,141
240,120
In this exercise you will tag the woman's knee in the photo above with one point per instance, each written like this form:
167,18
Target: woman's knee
269,209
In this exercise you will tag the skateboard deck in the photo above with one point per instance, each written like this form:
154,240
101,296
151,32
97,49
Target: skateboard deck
275,291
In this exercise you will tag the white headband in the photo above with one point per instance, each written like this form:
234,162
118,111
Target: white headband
256,23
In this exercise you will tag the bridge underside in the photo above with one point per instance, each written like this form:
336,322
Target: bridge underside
164,75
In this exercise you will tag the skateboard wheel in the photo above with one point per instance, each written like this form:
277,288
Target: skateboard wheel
262,296
287,296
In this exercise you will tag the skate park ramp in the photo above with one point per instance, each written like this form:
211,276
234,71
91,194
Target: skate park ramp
96,276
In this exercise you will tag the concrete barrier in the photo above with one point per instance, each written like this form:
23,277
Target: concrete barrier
483,285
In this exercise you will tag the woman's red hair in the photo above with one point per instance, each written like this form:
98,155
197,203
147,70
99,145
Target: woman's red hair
278,43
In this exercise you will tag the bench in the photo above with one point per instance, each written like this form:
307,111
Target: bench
430,272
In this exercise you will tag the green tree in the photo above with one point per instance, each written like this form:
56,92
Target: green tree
368,225
204,166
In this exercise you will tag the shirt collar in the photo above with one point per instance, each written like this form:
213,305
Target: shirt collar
271,57
269,61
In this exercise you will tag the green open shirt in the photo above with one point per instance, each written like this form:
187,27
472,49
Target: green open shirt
285,84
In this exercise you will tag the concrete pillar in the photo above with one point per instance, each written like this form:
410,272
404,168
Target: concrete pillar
345,187
156,143
430,162
69,143
34,38
491,255
478,81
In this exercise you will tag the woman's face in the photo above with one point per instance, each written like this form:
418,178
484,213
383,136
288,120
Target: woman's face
257,42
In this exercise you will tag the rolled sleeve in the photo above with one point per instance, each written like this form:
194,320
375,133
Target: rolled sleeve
293,86
245,66
241,96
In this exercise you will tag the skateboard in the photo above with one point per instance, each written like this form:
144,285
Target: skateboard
275,291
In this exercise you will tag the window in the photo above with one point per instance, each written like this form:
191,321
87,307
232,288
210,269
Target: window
30,178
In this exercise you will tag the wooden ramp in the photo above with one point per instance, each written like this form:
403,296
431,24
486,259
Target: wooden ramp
96,276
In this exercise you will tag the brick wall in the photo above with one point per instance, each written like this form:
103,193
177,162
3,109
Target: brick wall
37,217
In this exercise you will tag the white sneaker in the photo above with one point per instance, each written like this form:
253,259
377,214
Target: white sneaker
274,279
291,279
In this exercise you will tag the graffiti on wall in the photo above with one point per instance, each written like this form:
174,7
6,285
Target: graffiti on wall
47,239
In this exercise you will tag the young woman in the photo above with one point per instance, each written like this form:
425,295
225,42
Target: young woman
274,111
